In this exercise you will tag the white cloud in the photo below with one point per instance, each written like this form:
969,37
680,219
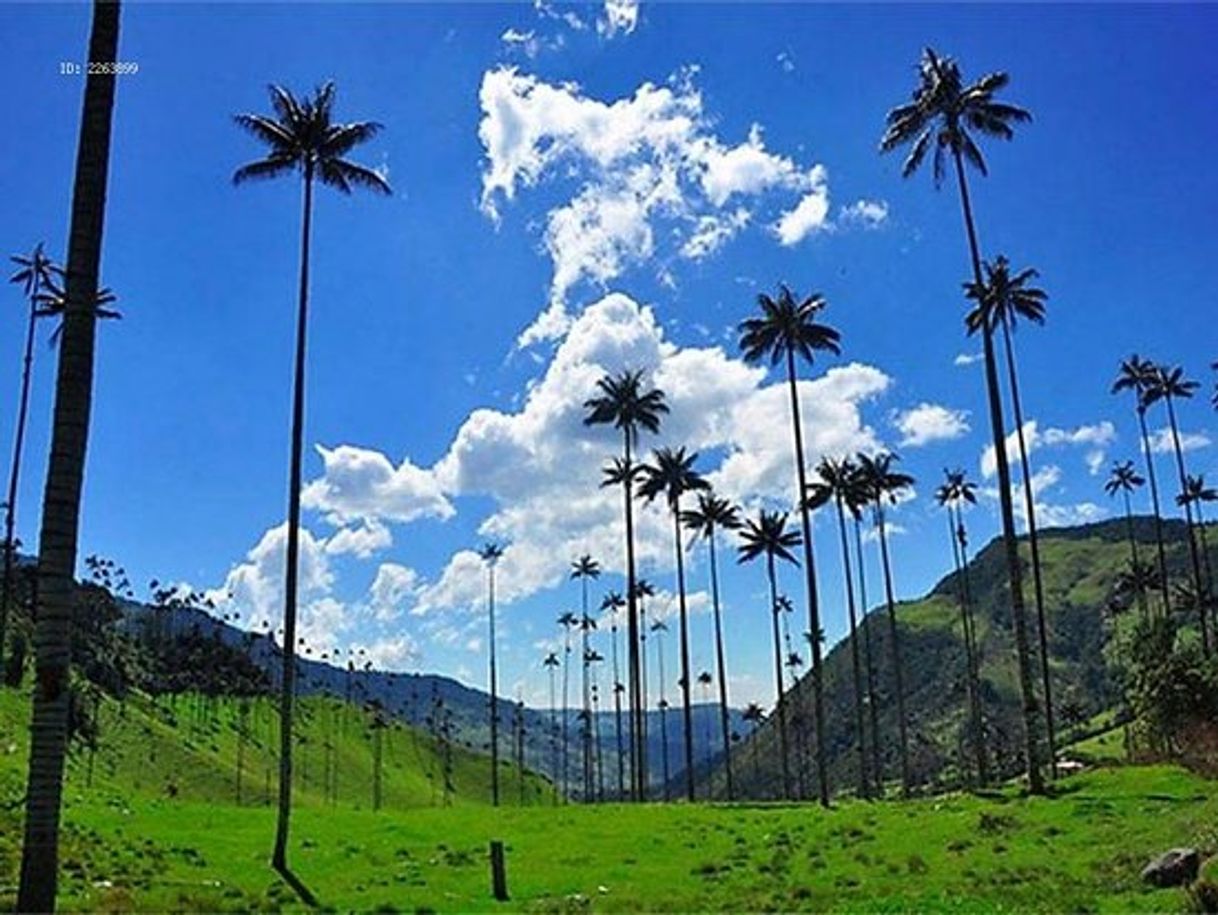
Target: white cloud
1102,433
1161,441
359,484
361,540
786,61
1097,435
392,652
929,422
963,359
627,168
1049,514
524,41
394,586
809,215
620,16
870,214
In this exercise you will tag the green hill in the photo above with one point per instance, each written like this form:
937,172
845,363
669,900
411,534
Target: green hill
1080,568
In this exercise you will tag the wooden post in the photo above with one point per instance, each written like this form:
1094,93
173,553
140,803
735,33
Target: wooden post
498,872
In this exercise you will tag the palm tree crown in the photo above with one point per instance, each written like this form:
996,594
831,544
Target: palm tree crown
944,111
1123,478
1004,296
672,474
625,405
768,536
787,327
303,137
585,567
713,513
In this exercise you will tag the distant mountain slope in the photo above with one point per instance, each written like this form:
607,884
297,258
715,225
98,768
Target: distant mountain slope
1080,567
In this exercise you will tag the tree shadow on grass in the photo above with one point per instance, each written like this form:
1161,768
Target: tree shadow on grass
302,892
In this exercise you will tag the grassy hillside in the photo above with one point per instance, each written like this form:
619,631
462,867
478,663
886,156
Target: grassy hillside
188,749
1080,567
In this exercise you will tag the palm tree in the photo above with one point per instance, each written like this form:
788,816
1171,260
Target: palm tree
942,114
857,498
1124,479
673,475
955,490
1137,374
787,329
585,569
612,603
586,625
1000,300
836,477
490,554
550,663
65,477
712,514
1196,492
36,272
301,137
882,484
705,680
755,715
1168,384
643,591
659,627
568,621
624,404
768,536
592,656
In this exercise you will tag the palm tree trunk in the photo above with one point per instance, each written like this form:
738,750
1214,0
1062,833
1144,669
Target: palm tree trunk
587,733
1010,543
1034,543
1198,581
10,510
779,705
638,733
663,710
970,651
805,516
1154,499
856,664
688,717
65,475
566,715
1133,555
722,666
617,720
873,705
974,646
553,735
490,604
895,650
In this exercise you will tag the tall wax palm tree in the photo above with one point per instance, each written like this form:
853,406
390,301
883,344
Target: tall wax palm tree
490,554
711,515
624,404
586,625
611,604
755,715
1137,375
835,479
585,569
672,474
768,536
1197,493
1168,384
592,657
955,490
65,477
857,498
705,680
36,272
1124,479
551,663
302,137
659,627
568,621
1000,300
883,484
643,591
788,328
944,113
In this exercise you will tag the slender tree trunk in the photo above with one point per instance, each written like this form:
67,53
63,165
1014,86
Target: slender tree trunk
1031,711
1154,499
1133,555
663,711
805,517
894,638
955,523
1042,626
873,705
856,663
279,857
554,735
687,708
566,715
1198,581
65,475
10,510
722,667
617,718
494,678
779,705
587,732
638,733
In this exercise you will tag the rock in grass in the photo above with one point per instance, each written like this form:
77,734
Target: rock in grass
1173,868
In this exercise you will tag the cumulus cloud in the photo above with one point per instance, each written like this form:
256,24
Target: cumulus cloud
619,17
359,484
362,540
963,359
1161,441
1097,436
630,167
393,588
928,422
869,214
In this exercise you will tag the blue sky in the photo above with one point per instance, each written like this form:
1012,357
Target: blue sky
638,174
